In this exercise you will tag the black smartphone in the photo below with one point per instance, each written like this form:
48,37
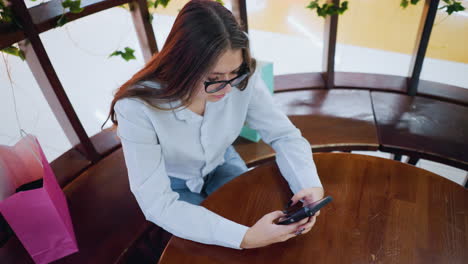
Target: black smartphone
303,212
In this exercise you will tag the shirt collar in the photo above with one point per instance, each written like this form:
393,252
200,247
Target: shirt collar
181,113
185,114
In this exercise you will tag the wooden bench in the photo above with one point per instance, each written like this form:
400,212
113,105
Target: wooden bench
109,225
335,120
422,128
362,119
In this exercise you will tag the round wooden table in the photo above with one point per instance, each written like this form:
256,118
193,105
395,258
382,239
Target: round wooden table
383,211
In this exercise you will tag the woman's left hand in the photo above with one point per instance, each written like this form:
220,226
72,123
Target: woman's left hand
307,195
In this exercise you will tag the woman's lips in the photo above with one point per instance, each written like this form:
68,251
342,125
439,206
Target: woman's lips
219,96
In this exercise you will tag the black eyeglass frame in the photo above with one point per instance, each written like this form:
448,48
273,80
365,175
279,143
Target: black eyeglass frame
244,74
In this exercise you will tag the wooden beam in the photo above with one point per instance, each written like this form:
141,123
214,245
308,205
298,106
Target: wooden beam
243,14
373,82
45,75
45,16
239,9
143,28
422,41
9,35
329,48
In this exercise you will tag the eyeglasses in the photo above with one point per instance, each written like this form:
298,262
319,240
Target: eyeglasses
213,87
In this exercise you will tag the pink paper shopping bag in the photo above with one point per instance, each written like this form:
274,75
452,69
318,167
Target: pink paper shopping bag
39,217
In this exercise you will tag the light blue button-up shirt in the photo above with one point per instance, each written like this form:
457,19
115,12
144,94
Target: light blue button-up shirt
182,144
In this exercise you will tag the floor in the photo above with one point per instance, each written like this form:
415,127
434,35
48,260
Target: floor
92,77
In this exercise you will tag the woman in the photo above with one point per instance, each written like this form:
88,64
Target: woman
178,117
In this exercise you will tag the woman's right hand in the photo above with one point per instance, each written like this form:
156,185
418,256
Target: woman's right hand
266,232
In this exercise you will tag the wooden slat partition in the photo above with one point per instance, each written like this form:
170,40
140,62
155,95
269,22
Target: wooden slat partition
9,35
243,14
329,48
45,75
298,81
422,41
373,82
239,10
143,28
443,92
45,16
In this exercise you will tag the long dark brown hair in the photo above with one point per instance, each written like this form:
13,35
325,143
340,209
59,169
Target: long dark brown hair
202,32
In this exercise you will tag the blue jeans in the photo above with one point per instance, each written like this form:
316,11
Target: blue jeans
232,167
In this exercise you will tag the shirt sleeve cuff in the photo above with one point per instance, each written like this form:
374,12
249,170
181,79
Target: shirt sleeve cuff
306,179
230,234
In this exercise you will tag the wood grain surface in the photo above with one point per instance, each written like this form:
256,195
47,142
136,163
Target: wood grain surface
438,130
383,211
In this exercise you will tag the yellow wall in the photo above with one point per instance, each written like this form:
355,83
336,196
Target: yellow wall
377,24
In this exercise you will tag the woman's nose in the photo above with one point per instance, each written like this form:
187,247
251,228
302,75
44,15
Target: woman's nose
228,88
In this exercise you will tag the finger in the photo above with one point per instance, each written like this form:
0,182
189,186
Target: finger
300,223
317,213
296,197
307,229
291,228
308,225
299,232
304,229
274,215
303,221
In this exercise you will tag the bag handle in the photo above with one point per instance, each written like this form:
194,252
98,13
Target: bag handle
25,135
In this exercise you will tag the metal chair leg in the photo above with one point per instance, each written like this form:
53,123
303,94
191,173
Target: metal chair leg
413,160
397,157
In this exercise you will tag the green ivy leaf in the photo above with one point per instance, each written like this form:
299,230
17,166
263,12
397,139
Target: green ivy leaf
450,7
6,15
455,7
150,3
404,3
164,3
343,7
62,20
312,5
127,55
12,50
73,5
328,9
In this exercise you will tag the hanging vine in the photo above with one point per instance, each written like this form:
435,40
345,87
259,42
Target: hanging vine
74,6
329,9
71,6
